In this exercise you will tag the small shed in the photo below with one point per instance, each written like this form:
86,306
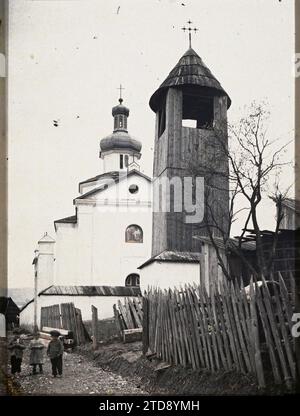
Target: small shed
11,311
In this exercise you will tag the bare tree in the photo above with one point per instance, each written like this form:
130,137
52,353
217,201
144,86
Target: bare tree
244,168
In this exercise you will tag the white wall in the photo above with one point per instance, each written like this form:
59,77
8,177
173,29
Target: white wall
169,274
94,251
84,303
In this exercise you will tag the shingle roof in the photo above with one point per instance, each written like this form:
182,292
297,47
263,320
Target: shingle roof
91,291
190,70
173,256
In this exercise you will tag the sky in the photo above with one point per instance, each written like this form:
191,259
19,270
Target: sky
66,59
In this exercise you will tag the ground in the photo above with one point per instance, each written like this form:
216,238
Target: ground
80,376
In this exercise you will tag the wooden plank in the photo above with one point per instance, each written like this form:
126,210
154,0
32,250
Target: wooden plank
190,326
132,335
217,327
211,365
95,326
200,319
239,326
283,324
182,327
224,333
137,323
129,317
145,336
199,348
211,325
177,323
255,336
276,335
123,314
229,328
117,320
255,297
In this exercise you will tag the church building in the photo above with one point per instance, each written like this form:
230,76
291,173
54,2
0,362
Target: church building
95,255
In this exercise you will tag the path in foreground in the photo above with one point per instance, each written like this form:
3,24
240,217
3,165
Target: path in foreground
80,376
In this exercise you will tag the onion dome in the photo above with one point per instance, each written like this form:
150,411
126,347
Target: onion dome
120,139
190,70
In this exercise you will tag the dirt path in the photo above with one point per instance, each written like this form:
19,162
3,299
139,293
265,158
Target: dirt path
80,376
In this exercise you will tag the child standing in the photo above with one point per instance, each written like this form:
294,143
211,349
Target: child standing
36,353
16,349
55,352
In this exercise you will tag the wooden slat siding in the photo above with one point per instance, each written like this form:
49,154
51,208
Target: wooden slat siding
211,323
255,336
257,300
284,334
199,312
205,330
185,321
276,334
228,326
195,327
246,307
217,326
224,332
183,355
190,328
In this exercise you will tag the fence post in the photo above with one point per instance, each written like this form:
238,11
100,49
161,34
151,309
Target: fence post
95,326
145,335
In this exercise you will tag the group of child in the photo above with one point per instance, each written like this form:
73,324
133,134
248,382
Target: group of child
54,351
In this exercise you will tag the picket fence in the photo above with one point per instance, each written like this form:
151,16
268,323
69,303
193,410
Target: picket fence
245,330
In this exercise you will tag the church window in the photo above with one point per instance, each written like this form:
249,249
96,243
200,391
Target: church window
126,161
134,234
133,189
162,118
132,280
197,111
121,161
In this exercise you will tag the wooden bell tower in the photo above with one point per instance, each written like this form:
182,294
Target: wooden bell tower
191,111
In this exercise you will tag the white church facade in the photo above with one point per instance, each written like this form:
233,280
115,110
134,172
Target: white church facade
95,254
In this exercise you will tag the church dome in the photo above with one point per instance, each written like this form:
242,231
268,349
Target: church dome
190,70
120,140
120,109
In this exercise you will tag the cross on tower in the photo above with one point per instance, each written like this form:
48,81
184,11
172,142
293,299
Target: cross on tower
190,30
120,88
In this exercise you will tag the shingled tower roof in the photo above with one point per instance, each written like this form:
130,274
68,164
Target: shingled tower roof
190,70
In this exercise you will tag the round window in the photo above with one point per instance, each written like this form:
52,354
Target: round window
133,189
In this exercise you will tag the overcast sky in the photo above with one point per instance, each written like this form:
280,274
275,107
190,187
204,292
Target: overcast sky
67,59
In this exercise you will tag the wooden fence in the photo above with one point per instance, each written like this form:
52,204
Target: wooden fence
65,316
129,315
248,331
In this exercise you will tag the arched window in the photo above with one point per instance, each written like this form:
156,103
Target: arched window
132,280
134,234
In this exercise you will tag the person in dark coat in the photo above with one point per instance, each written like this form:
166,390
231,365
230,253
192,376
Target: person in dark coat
16,348
55,352
36,353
